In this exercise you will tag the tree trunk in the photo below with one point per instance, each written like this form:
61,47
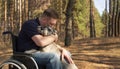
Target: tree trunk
68,29
119,18
113,19
119,22
92,25
116,18
11,13
73,28
110,19
106,20
26,10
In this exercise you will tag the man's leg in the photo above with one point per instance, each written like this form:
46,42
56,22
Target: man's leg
49,59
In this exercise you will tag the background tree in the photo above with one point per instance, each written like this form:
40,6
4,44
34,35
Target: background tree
113,30
104,19
72,24
92,24
68,23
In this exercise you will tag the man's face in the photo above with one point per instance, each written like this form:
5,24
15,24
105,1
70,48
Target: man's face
47,21
52,22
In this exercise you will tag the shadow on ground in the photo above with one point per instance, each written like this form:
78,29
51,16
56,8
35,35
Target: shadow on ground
96,53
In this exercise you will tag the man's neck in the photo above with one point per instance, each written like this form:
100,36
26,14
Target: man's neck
40,21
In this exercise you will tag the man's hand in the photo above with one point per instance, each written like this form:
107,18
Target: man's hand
64,55
55,36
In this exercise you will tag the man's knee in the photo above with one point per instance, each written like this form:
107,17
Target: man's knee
54,57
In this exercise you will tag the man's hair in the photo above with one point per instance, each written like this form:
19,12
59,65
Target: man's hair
51,13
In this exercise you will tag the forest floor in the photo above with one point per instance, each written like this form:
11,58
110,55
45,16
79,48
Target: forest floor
98,53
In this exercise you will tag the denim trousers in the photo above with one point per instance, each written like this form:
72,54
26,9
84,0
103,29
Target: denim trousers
50,60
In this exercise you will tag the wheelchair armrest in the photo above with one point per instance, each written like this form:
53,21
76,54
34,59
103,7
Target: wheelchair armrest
22,54
26,53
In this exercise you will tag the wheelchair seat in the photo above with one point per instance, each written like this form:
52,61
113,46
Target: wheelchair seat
18,60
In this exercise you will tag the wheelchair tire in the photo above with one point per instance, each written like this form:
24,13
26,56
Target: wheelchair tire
14,63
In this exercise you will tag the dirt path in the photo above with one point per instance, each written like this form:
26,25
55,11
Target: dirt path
97,53
90,53
5,54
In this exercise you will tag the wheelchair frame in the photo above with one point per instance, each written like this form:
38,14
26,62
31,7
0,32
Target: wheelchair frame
18,60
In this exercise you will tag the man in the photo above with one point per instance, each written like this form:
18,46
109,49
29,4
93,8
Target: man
30,38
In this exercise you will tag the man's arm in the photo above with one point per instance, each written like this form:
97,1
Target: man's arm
44,40
64,55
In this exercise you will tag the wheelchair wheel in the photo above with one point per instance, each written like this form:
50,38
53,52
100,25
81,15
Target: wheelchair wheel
12,64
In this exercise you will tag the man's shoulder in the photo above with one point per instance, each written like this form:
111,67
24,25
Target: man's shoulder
30,22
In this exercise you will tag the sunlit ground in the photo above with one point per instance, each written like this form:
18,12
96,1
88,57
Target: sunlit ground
99,53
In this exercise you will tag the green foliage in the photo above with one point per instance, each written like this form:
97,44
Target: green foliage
82,18
99,26
34,9
104,16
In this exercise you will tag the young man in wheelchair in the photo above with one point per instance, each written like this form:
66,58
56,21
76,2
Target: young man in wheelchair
32,38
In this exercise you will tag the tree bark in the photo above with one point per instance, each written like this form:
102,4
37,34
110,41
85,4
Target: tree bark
68,22
116,18
110,19
92,24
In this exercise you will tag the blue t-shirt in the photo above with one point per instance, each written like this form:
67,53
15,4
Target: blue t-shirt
28,30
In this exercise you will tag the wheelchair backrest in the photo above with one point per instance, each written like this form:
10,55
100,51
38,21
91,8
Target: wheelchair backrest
14,40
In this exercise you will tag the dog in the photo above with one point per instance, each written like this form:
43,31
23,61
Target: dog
53,48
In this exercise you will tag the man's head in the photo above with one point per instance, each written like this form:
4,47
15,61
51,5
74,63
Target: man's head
49,17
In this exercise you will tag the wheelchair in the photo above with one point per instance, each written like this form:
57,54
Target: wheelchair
18,60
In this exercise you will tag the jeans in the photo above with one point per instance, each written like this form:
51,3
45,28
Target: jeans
50,60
